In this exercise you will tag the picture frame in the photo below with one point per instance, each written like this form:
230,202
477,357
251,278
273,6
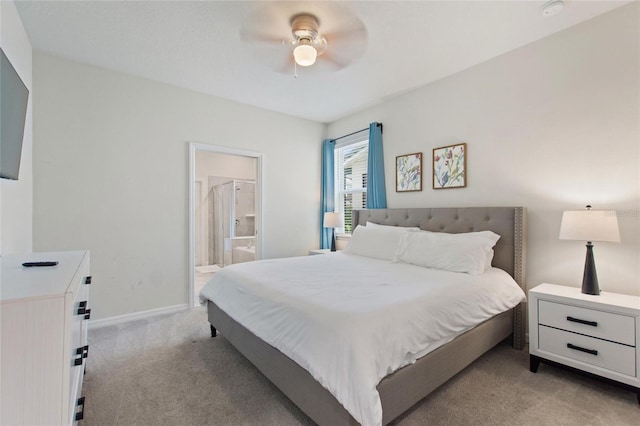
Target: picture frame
450,166
409,172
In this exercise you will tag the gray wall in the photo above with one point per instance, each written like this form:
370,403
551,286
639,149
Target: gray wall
16,197
552,126
111,176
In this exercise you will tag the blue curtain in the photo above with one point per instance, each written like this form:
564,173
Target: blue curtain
376,191
327,196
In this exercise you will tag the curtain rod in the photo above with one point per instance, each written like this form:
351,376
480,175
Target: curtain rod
357,131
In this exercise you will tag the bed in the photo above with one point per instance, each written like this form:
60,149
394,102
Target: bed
404,387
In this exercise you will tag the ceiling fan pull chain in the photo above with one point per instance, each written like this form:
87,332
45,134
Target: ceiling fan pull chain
295,69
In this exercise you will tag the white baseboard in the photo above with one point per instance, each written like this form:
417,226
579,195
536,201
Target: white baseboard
120,319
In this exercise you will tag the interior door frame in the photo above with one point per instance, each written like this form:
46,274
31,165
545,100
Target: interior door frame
198,146
199,248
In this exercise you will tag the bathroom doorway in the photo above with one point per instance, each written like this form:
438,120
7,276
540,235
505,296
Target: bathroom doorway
224,211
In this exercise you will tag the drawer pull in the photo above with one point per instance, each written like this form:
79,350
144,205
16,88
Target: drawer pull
87,280
80,409
581,321
87,314
79,357
578,348
81,353
82,308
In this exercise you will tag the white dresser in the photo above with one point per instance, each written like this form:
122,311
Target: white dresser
597,334
44,313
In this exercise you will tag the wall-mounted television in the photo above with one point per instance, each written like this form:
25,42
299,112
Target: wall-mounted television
14,96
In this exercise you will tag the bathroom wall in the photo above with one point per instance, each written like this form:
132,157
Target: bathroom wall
245,209
215,169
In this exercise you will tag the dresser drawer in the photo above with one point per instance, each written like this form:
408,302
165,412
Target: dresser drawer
604,325
612,356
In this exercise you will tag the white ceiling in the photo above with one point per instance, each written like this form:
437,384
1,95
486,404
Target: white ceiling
197,44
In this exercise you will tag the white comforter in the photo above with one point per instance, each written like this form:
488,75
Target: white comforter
352,320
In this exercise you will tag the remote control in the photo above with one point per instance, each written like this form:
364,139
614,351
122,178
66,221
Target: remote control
30,264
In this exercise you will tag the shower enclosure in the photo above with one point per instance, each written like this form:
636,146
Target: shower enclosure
232,223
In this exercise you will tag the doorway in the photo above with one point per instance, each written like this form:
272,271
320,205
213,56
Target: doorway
224,211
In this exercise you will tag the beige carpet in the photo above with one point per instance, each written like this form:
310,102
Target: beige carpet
168,371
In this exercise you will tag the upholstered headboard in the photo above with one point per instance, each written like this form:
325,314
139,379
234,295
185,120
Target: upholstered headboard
508,222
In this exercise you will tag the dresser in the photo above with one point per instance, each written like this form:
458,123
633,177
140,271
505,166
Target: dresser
44,313
595,334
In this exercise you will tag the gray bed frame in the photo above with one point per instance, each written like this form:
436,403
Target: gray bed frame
405,387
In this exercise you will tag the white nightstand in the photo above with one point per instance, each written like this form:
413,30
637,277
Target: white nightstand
596,334
319,251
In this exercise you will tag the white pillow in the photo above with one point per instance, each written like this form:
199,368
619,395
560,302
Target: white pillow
394,228
487,264
467,252
380,243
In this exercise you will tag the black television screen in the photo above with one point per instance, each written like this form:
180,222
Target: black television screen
14,96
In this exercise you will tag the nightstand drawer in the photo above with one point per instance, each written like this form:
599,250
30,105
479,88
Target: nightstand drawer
612,356
604,325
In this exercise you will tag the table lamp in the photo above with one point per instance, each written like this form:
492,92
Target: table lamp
590,225
333,220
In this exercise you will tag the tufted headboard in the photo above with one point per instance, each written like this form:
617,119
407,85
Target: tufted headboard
508,222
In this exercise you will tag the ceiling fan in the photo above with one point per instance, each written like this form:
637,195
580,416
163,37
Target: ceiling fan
285,40
306,39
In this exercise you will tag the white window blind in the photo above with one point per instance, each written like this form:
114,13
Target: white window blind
351,179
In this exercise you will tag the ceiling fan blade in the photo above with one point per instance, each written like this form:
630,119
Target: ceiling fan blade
257,37
357,35
335,62
266,23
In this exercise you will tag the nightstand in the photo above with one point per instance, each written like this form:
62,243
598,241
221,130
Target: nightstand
319,251
599,335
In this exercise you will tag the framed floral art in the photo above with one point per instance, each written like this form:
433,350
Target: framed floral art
409,172
450,166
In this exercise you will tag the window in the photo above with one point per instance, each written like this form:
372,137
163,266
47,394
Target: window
351,179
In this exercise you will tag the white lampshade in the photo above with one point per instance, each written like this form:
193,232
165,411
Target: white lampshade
305,55
332,220
590,225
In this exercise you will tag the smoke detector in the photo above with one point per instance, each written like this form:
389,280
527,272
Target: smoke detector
552,7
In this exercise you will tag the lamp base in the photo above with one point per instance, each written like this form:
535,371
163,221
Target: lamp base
590,278
333,239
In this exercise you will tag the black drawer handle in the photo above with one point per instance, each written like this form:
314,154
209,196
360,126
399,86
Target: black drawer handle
581,321
81,353
82,307
79,357
87,280
578,348
87,314
80,409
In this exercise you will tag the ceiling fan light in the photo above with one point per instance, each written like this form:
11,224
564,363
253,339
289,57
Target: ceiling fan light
305,55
